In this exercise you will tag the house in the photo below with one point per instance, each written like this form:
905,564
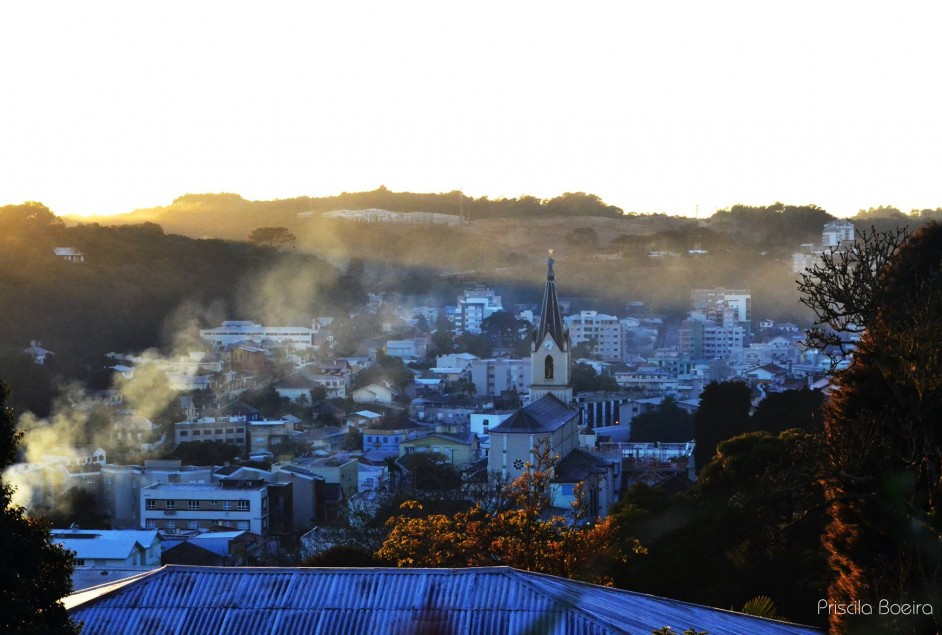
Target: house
110,548
374,393
381,601
362,419
39,354
460,449
295,387
69,254
175,508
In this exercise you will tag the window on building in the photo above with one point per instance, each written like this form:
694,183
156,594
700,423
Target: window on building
150,504
548,367
151,524
192,504
184,433
171,504
193,524
173,478
243,506
243,524
227,505
197,433
171,524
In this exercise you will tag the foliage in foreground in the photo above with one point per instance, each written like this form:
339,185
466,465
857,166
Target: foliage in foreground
517,534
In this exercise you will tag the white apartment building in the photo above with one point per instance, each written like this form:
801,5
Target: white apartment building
837,232
121,486
174,508
234,331
722,305
604,330
477,304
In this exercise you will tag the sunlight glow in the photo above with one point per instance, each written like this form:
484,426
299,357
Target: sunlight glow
655,107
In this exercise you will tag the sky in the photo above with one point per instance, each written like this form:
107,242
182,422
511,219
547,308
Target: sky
676,107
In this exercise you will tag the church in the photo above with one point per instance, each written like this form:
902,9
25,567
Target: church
550,420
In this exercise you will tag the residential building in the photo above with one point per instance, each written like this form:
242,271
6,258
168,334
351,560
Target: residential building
339,470
110,547
474,306
121,486
174,508
231,429
603,332
837,232
460,448
408,349
721,305
237,331
374,393
69,254
499,377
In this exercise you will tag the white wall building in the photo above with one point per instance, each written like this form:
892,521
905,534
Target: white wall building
493,377
234,331
187,507
477,304
604,330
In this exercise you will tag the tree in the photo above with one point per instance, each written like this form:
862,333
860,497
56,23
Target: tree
882,466
723,414
36,572
669,423
272,237
515,534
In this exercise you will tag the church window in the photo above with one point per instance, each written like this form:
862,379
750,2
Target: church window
548,367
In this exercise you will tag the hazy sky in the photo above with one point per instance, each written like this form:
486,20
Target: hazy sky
654,106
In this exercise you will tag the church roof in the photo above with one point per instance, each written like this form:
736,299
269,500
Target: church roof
545,414
376,601
551,320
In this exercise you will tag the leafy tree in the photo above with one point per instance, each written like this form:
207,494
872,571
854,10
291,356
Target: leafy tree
36,572
882,467
723,414
758,506
781,411
517,534
669,423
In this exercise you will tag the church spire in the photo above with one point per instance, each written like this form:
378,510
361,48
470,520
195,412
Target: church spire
551,320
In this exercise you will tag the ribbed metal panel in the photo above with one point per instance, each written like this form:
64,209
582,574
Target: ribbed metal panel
211,600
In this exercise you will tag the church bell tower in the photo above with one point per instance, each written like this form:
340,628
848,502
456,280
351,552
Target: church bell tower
550,357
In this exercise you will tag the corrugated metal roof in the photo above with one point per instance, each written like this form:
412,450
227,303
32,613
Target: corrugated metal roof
214,600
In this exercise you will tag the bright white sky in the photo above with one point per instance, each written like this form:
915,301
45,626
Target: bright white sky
654,106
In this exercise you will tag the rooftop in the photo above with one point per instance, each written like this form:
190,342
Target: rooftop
546,414
197,600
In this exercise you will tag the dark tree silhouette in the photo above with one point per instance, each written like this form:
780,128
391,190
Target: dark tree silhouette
883,429
36,574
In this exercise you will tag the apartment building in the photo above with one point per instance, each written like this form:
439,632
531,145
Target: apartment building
174,508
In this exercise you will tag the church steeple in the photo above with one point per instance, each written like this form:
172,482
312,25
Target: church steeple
551,320
550,358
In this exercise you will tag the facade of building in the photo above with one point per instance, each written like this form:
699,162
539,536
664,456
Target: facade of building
604,332
721,305
496,377
235,331
474,306
550,357
837,232
174,508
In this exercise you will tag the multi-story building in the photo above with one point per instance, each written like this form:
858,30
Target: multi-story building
721,305
223,429
701,339
174,508
121,486
604,332
837,232
497,377
234,331
474,306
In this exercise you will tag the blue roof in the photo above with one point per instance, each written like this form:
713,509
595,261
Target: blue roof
374,601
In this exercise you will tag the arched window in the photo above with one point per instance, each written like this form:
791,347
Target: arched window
548,367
